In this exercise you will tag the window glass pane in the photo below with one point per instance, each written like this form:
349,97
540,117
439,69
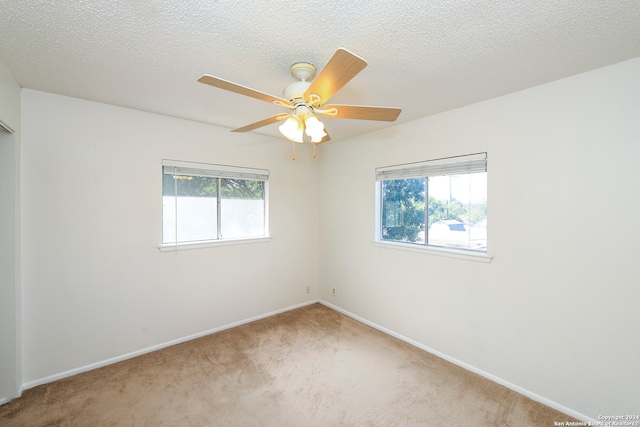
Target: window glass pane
403,210
242,208
194,200
458,211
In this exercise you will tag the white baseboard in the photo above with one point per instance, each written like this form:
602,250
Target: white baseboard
92,366
517,389
487,375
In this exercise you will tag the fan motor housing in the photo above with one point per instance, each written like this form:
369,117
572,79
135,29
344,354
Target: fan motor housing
304,72
294,91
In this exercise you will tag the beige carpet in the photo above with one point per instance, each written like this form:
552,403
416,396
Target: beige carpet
307,367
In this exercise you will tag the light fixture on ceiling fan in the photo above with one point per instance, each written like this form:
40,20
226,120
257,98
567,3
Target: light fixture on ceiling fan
307,98
303,121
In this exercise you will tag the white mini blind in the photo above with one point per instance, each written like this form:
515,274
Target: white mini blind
472,163
176,167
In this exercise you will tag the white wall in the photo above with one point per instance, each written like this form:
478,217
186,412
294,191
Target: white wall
95,284
556,311
10,367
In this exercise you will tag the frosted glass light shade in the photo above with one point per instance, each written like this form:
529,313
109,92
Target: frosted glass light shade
292,129
317,137
314,128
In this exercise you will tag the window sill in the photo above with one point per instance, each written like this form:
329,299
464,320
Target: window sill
431,250
172,247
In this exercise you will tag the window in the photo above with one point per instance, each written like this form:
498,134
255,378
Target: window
437,203
207,203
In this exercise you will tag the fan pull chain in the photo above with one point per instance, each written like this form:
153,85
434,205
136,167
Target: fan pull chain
314,150
293,150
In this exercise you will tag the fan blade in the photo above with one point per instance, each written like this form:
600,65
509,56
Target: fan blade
341,68
384,114
242,90
261,123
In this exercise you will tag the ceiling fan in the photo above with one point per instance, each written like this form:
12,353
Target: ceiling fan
307,98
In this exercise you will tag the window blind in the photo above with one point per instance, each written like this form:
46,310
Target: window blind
472,163
175,167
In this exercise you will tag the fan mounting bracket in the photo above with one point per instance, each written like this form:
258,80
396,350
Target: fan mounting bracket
303,71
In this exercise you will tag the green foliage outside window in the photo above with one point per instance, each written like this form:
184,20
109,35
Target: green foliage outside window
203,186
403,209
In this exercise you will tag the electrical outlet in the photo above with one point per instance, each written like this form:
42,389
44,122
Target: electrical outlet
333,291
308,289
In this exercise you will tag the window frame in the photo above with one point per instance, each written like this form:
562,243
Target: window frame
219,172
448,166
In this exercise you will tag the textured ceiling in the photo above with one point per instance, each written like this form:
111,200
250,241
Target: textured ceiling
424,56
